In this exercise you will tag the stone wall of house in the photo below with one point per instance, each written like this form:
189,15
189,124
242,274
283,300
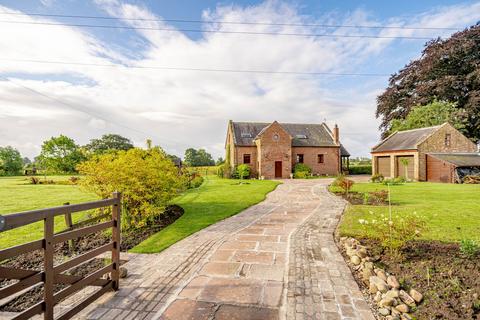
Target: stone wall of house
331,159
436,143
274,144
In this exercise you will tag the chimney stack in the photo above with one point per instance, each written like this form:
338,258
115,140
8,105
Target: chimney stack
336,134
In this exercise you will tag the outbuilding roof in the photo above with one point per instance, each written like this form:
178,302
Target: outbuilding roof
303,135
459,159
405,140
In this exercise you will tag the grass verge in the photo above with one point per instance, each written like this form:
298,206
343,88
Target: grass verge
215,200
452,211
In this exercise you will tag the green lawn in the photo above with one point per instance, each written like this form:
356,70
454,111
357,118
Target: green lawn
215,200
17,195
452,211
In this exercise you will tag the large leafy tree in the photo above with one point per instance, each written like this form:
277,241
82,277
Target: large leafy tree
109,142
60,154
198,158
432,114
448,70
11,162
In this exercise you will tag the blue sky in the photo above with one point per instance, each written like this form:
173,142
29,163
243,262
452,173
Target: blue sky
181,109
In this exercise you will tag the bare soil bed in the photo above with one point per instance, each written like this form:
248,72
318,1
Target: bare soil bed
34,260
449,281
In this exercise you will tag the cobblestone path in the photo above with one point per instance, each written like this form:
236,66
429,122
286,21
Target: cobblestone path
275,260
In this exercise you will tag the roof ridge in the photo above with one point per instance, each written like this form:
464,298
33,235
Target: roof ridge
423,128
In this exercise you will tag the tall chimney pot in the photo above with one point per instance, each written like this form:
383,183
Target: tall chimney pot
336,134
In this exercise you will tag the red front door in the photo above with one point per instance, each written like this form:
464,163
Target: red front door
278,169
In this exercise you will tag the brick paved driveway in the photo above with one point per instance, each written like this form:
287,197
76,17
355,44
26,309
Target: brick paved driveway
275,260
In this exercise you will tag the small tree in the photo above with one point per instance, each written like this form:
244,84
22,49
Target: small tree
405,163
108,142
148,180
11,162
243,171
60,154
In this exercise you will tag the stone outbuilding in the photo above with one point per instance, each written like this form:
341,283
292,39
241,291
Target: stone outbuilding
272,149
415,154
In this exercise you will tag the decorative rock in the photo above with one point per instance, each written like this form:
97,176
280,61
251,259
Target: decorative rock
362,252
378,297
406,316
372,288
368,265
123,272
355,260
381,274
395,312
393,282
393,293
366,274
403,308
379,283
407,299
384,311
392,317
417,296
386,302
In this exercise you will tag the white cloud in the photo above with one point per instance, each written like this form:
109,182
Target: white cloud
180,109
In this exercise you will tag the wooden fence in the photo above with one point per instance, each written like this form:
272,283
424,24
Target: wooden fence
53,274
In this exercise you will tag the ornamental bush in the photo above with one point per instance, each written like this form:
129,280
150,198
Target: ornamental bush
243,171
301,171
147,179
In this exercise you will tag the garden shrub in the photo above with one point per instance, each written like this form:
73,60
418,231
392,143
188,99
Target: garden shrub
301,171
395,231
196,182
221,171
343,183
360,169
469,247
378,197
378,177
147,179
394,181
243,171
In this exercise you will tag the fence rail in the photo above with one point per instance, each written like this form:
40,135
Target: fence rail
53,274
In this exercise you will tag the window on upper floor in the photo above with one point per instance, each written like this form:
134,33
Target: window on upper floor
448,138
246,158
320,158
299,158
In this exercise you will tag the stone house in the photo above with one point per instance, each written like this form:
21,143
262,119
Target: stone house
414,153
272,149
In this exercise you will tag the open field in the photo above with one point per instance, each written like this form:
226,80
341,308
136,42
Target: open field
215,200
452,211
16,194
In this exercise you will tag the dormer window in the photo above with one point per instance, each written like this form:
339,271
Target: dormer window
246,135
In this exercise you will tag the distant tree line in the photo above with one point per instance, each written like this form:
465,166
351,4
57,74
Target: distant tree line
62,154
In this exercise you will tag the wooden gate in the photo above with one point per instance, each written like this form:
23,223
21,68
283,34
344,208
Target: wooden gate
53,274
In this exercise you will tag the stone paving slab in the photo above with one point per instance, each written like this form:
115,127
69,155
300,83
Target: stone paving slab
275,260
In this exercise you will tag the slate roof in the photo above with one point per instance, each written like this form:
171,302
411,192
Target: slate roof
459,159
318,135
405,140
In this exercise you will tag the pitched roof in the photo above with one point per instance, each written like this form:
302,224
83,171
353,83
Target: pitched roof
317,135
459,159
405,140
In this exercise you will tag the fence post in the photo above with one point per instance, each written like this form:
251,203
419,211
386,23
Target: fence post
69,224
48,266
116,212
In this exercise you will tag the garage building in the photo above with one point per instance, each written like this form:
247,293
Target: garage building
419,154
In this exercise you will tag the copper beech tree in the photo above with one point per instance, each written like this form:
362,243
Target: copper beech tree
448,70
